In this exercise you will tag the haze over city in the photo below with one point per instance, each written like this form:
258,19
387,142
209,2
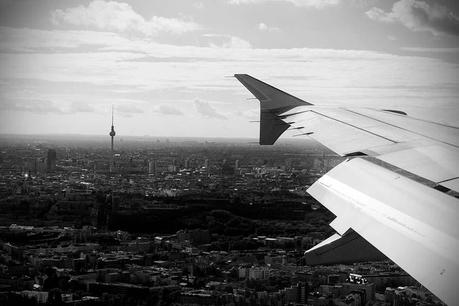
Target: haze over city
165,68
229,152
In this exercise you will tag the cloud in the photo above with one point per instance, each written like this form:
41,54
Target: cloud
205,109
199,5
32,40
419,16
120,17
39,106
81,107
226,41
109,75
127,110
378,14
236,42
362,4
428,50
168,110
318,4
251,114
265,28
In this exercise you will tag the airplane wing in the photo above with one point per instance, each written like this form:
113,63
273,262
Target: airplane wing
395,194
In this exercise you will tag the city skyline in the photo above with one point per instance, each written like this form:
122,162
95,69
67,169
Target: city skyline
189,202
165,68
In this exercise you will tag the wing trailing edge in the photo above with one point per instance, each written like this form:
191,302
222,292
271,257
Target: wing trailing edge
273,102
410,223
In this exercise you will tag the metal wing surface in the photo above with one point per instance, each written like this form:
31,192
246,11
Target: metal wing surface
395,192
424,148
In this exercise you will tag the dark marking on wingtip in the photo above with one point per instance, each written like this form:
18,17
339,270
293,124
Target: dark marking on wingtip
303,134
442,188
395,111
352,154
297,128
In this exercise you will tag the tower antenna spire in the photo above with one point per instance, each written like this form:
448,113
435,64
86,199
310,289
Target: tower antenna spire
112,136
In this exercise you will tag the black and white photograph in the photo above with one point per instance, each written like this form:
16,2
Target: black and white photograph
229,152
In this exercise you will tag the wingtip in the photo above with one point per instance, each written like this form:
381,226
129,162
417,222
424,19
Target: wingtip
240,75
273,102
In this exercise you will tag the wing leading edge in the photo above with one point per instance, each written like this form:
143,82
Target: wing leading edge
376,205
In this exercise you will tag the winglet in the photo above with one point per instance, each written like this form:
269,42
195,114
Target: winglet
273,102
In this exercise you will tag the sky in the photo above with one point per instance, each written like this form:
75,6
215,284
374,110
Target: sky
166,66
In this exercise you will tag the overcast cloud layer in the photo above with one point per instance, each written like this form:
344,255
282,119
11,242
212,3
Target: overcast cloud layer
165,68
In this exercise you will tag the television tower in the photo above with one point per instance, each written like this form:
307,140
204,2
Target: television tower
112,132
112,135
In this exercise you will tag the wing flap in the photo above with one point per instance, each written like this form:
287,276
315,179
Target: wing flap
346,131
431,130
437,163
396,214
452,184
348,248
340,136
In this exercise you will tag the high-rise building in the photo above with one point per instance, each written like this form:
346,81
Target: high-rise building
226,168
51,160
40,165
151,167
